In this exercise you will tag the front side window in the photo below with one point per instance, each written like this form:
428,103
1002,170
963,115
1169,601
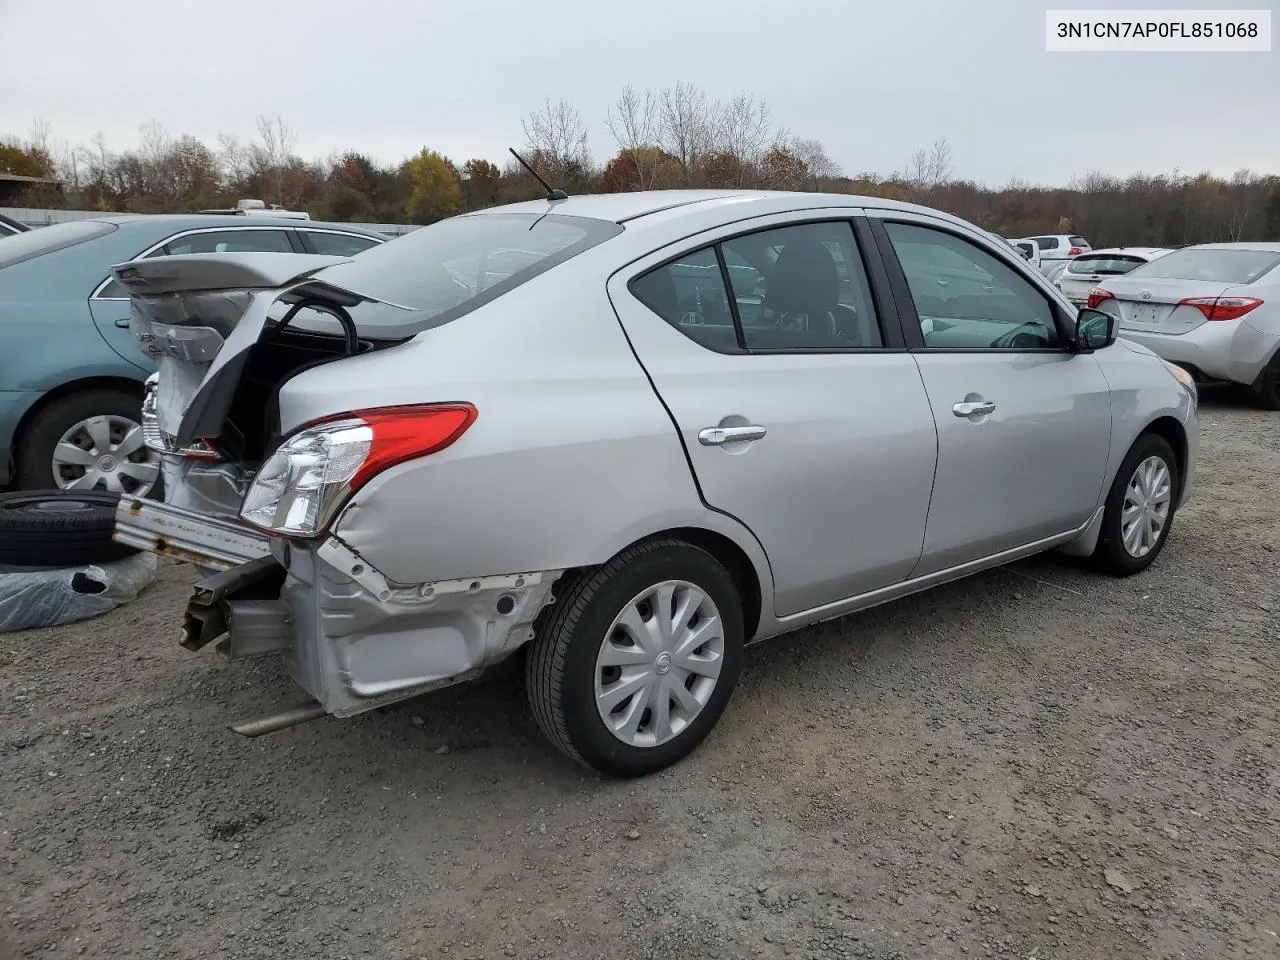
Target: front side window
966,298
801,287
230,241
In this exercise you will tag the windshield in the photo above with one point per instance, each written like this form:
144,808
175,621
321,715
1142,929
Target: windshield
33,243
1210,263
452,267
1110,265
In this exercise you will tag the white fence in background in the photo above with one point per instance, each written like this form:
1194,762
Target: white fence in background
34,217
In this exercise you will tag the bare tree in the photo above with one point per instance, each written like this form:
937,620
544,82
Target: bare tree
556,135
273,152
821,168
687,124
741,131
929,168
636,125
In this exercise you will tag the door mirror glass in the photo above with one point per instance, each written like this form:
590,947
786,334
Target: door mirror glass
1095,329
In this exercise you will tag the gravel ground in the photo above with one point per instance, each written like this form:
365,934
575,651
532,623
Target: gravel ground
1036,762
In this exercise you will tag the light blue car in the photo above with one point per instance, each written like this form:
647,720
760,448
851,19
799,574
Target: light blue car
71,373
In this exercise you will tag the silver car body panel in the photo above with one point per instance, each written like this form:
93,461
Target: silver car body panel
865,487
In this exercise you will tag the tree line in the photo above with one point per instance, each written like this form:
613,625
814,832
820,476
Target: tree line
674,137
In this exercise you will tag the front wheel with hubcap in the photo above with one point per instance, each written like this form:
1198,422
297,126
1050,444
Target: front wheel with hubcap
636,660
1140,507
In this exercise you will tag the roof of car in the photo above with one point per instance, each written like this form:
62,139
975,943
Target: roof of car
622,207
181,220
1263,246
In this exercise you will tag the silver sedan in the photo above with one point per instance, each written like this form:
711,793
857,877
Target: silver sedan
624,436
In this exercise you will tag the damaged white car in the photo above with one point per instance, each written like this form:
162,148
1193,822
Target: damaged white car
628,434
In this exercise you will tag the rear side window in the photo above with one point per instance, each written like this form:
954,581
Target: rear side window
231,241
1078,241
1046,243
42,240
801,287
1213,264
338,244
1108,264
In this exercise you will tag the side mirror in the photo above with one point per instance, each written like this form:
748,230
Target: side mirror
1095,330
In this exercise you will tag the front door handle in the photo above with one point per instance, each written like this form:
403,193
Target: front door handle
719,436
123,323
973,408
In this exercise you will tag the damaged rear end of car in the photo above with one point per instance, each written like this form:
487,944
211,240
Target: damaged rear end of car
274,415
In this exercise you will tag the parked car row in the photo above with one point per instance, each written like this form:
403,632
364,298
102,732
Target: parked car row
626,435
71,372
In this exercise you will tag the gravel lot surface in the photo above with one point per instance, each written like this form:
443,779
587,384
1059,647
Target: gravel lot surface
1037,762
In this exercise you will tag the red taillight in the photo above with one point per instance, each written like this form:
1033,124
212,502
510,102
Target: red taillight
1075,251
405,433
1222,308
1097,295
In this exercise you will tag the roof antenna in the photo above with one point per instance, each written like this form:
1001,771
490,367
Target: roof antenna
552,192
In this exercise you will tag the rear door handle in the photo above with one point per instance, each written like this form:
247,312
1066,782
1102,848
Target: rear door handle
123,322
719,436
973,408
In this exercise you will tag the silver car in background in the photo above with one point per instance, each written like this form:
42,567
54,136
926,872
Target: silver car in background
1076,278
627,435
1213,308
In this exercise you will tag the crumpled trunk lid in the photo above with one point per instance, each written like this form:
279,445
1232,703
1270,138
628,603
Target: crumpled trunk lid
199,315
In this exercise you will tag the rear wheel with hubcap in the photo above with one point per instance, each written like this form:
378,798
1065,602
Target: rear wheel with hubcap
1139,508
636,661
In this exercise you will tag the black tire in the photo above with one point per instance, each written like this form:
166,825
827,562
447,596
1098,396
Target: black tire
40,437
1110,555
1266,389
57,528
561,662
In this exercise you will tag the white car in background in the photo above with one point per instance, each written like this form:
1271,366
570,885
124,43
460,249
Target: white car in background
1028,249
1055,247
1080,275
1212,308
1053,272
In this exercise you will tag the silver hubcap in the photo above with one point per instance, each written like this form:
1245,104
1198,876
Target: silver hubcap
1146,507
105,453
659,663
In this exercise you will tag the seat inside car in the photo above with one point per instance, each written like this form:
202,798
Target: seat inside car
805,281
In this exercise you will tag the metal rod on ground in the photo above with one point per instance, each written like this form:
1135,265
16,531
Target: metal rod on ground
279,721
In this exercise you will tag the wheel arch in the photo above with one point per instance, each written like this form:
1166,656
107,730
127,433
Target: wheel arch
1171,430
727,552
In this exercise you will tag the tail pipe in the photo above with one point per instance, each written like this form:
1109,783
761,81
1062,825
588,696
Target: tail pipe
259,726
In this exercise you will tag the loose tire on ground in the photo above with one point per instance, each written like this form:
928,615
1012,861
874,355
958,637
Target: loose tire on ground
57,528
562,668
1111,554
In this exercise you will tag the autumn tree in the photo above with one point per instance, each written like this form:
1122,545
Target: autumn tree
481,181
435,191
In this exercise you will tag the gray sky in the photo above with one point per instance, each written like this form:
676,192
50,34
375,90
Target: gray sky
872,79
